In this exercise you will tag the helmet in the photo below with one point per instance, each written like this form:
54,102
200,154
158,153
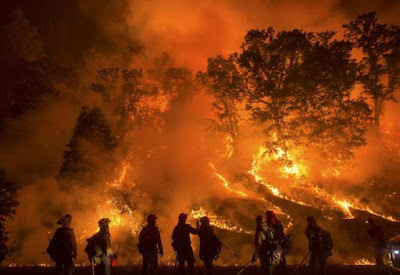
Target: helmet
204,219
104,221
65,219
311,219
259,219
270,214
151,219
182,217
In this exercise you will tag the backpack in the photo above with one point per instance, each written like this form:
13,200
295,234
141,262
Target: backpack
327,244
52,250
59,246
92,249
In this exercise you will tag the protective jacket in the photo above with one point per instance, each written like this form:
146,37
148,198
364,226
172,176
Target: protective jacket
319,241
150,240
62,246
181,237
210,245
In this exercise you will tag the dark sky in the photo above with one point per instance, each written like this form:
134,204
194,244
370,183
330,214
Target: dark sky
68,28
65,27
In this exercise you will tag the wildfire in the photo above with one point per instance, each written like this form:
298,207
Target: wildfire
121,215
347,204
227,149
218,222
363,261
342,204
226,183
120,182
118,217
259,160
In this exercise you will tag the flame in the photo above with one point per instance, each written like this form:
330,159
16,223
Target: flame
347,204
297,170
229,149
226,183
120,183
363,261
121,218
218,222
259,160
121,215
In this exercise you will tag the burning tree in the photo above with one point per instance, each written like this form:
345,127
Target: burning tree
224,81
122,92
299,88
379,68
174,82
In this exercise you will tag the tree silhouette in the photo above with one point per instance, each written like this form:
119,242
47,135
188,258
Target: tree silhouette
123,92
29,77
380,65
225,83
8,193
90,147
299,89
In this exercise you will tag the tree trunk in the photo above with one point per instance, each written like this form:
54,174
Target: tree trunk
377,112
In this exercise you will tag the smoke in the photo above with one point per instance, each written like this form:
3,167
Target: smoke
169,171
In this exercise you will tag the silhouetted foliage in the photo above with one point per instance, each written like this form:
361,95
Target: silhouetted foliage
299,88
90,146
8,193
123,92
379,68
225,83
29,77
173,81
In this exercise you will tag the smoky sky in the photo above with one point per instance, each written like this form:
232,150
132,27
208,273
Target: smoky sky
205,28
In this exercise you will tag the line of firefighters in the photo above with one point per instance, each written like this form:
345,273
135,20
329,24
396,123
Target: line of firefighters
271,245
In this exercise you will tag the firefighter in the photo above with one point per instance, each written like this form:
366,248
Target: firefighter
150,245
182,245
320,246
210,245
103,244
379,242
62,247
268,248
280,239
3,240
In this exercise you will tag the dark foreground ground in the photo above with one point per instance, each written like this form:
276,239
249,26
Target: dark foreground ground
342,270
